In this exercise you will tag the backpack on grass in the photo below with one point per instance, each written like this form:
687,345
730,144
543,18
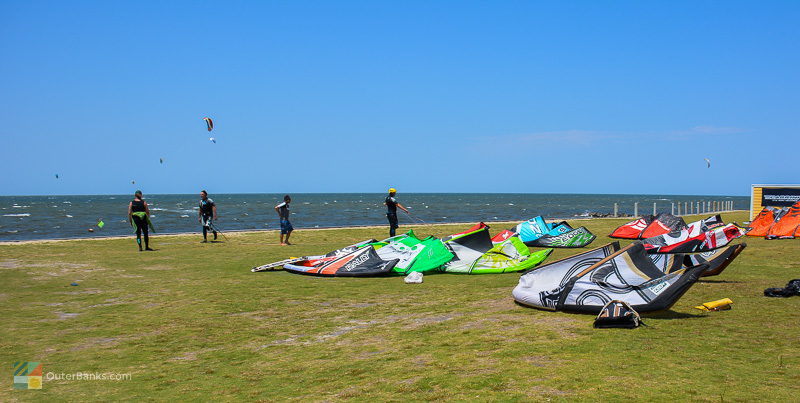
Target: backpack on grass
791,289
617,314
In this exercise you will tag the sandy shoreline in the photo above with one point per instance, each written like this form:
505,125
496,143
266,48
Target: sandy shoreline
243,232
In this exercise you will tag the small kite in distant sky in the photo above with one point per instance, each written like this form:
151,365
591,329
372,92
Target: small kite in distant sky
133,182
213,140
161,160
56,176
708,162
209,124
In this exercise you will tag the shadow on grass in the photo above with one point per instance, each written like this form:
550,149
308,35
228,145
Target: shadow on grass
670,314
719,281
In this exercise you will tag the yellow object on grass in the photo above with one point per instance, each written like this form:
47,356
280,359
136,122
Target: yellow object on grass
718,305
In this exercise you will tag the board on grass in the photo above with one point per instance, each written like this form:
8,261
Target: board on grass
277,265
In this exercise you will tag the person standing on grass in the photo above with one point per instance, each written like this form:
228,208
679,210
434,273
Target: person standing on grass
283,213
207,215
392,204
139,218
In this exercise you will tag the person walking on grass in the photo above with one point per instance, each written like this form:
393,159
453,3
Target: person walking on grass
392,204
139,218
283,213
207,215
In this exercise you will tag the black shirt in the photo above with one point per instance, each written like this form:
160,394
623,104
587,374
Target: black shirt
283,210
391,205
137,206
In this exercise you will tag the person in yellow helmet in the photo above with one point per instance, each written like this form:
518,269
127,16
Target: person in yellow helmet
392,204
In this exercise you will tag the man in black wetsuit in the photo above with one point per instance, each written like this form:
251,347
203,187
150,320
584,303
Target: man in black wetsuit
207,215
391,210
139,218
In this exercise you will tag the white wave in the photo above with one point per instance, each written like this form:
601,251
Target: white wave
69,216
67,202
13,231
184,216
17,215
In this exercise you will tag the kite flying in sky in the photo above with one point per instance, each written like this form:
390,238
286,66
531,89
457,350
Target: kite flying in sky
209,124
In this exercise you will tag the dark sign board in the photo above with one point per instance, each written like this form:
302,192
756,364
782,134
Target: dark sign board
779,196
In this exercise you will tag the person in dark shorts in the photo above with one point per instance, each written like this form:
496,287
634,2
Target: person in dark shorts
207,215
283,213
139,218
391,210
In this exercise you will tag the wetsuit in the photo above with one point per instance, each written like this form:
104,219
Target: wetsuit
207,213
140,221
391,214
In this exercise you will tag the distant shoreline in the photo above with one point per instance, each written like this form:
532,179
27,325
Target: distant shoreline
193,194
257,231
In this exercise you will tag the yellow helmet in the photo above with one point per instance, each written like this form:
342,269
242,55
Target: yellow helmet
392,190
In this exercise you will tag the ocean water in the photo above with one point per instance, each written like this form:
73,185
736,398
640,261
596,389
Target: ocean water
47,217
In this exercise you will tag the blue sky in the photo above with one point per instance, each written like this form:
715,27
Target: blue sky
339,96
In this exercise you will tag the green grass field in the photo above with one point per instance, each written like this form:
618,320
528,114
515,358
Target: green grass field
191,322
